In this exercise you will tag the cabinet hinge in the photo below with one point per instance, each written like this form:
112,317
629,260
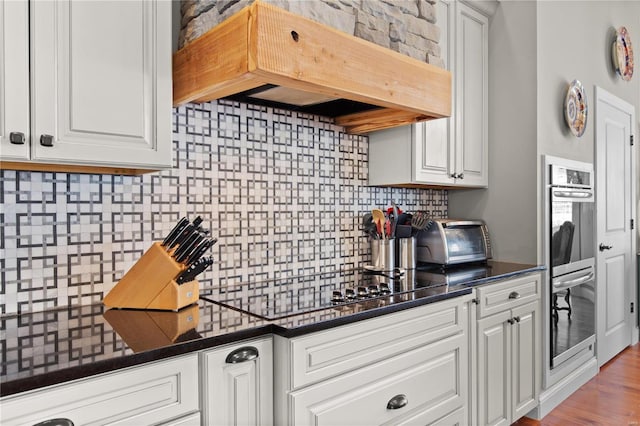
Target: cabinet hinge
633,224
631,307
631,137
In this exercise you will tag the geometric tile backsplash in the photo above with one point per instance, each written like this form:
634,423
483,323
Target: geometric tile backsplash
283,192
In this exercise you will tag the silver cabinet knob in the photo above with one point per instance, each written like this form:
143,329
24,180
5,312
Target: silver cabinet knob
514,295
46,140
55,422
453,175
397,401
243,354
510,321
460,176
16,138
516,319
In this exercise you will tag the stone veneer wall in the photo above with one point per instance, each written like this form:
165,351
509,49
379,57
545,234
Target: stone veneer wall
406,26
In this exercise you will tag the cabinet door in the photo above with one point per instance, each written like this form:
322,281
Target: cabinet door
494,374
434,147
14,79
101,74
525,370
471,97
238,384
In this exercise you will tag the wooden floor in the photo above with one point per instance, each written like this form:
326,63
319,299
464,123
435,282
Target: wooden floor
612,398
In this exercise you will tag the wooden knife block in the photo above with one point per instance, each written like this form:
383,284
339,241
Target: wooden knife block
150,284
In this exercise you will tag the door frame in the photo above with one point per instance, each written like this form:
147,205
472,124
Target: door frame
601,95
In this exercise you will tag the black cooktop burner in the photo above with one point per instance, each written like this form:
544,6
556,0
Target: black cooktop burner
351,289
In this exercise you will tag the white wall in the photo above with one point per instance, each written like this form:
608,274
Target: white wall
574,42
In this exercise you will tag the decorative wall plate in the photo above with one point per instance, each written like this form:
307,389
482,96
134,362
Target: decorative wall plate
622,53
575,108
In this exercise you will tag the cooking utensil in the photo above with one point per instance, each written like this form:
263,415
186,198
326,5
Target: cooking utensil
395,219
379,220
369,226
420,221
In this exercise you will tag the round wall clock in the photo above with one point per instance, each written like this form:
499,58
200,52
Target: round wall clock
575,108
622,54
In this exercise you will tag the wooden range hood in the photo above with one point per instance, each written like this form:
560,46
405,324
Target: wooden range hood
266,55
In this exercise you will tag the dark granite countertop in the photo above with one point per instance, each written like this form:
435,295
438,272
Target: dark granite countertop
45,348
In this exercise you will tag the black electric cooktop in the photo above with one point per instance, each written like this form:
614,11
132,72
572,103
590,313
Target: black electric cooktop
355,290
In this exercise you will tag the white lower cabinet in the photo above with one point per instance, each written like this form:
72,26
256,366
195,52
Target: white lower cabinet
409,367
237,384
163,392
508,351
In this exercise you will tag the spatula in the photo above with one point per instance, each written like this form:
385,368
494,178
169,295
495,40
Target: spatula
379,220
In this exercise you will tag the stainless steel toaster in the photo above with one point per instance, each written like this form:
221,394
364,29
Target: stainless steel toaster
451,241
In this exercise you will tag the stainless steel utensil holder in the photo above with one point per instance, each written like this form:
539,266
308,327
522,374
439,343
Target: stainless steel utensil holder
406,253
383,255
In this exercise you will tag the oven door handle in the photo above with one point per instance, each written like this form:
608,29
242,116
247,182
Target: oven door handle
573,194
572,283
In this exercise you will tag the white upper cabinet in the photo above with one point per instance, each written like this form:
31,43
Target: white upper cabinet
100,88
472,33
452,151
14,80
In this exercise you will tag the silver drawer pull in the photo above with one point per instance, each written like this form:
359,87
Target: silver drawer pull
46,140
55,422
243,354
16,138
397,401
514,295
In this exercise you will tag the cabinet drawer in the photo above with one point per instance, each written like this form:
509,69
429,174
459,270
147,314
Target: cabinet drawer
318,356
140,395
430,382
508,294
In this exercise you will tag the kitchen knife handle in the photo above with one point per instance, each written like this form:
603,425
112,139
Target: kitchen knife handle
175,231
181,236
191,244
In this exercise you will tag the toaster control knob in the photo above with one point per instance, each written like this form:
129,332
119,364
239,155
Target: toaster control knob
384,288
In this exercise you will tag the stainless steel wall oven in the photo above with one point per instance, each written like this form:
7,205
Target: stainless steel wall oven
572,257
